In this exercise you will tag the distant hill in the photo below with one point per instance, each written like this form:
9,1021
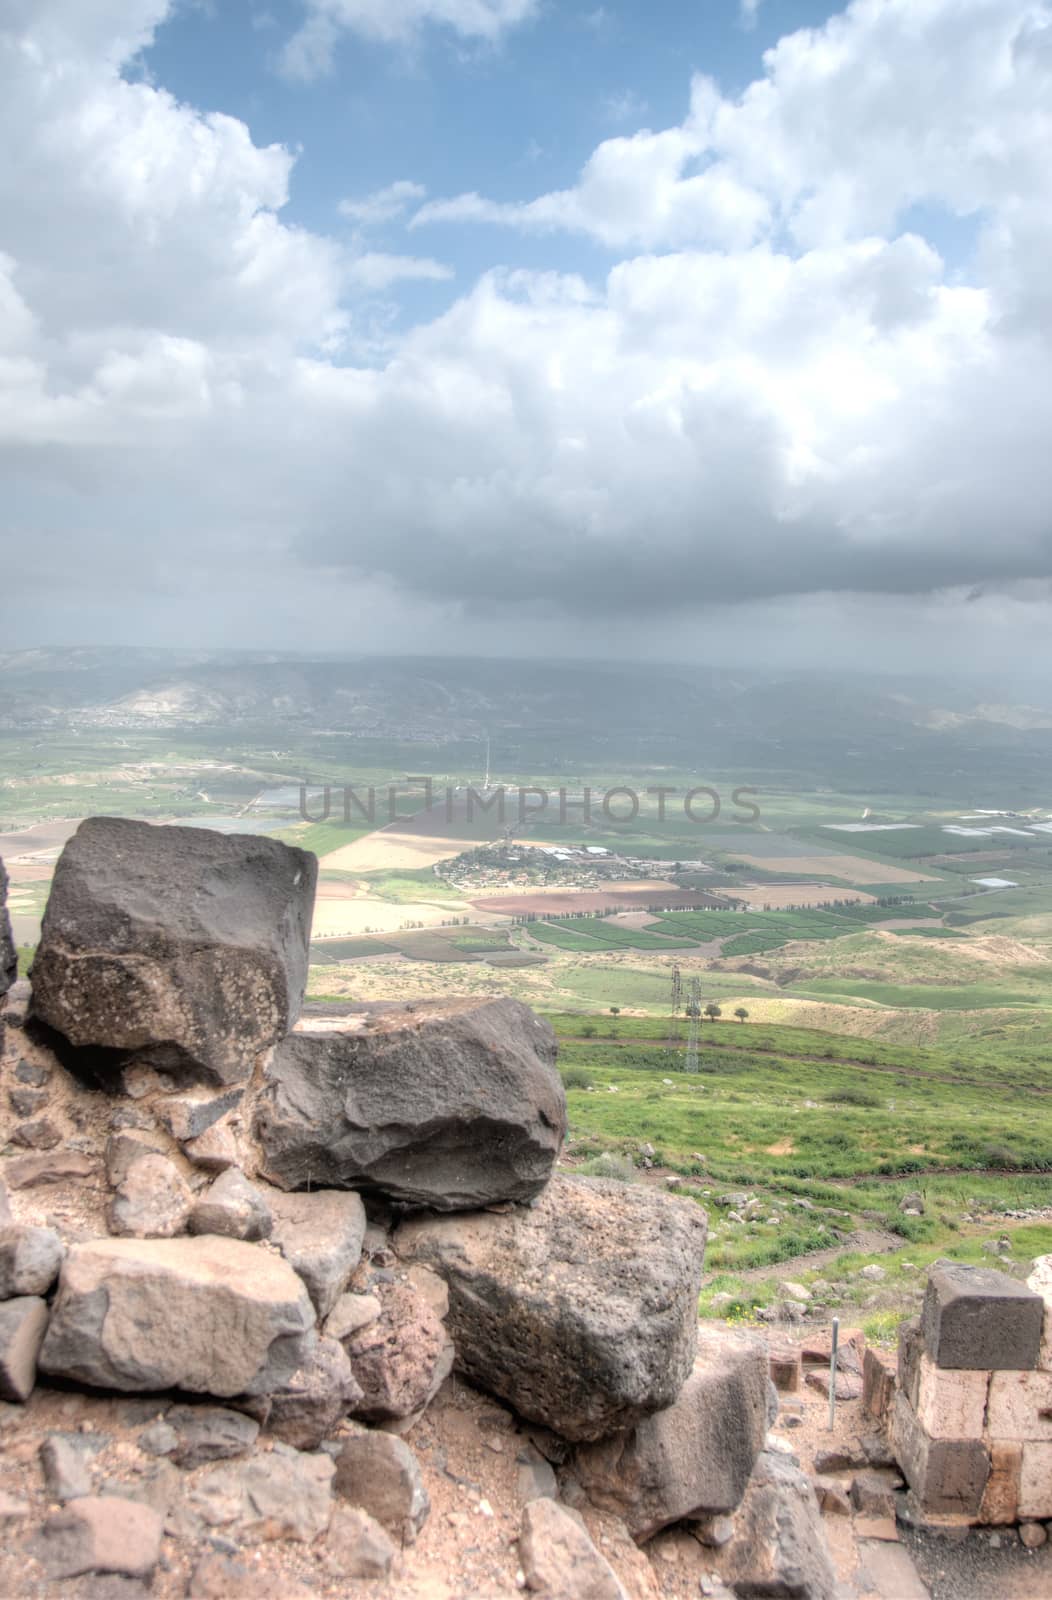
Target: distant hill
781,722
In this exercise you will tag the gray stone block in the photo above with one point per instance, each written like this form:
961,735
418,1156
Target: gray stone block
976,1317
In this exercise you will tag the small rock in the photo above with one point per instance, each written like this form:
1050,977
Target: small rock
559,1558
29,1259
872,1495
283,1495
151,1202
29,1072
310,1404
101,1534
188,1116
27,1102
30,1172
795,1291
63,1460
840,1459
379,1472
40,1134
431,1288
11,1507
217,1148
232,1207
1032,1534
356,1546
714,1532
833,1500
160,1439
320,1234
208,1315
125,1147
912,1205
221,1577
873,1273
209,1433
400,1360
848,1384
350,1313
23,1323
536,1477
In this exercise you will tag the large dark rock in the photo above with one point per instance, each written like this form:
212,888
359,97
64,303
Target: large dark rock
976,1317
8,958
179,947
580,1311
779,1550
450,1104
694,1458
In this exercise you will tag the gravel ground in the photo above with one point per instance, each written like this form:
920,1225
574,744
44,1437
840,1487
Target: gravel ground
973,1569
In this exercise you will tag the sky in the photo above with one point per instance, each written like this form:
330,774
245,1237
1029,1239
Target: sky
711,329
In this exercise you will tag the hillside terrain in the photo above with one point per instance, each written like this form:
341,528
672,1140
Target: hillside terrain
874,893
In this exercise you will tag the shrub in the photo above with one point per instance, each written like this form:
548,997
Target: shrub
853,1097
610,1166
575,1078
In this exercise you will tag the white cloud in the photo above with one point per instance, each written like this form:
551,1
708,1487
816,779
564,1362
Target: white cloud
749,12
375,270
309,53
384,205
633,191
624,106
894,103
784,394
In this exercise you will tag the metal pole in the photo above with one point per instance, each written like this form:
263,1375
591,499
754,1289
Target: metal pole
832,1372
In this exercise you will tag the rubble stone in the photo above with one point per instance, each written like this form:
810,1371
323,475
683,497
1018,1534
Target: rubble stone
23,1322
559,1558
152,1201
30,1259
101,1533
379,1473
208,1315
232,1207
320,1235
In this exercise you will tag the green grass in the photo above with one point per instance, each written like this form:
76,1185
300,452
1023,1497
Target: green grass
930,997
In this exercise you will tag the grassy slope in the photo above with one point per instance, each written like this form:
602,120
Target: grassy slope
792,1114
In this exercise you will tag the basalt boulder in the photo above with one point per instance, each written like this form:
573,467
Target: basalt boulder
8,959
181,948
581,1310
694,1458
448,1104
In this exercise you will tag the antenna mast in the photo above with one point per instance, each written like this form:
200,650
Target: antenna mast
672,1044
694,1015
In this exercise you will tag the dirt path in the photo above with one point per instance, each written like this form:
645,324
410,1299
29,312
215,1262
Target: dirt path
867,1241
